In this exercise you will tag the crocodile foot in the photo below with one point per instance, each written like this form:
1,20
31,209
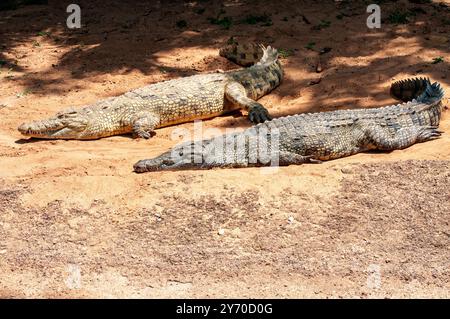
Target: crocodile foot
428,133
258,114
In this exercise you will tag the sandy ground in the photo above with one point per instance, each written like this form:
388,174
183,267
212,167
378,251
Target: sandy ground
75,221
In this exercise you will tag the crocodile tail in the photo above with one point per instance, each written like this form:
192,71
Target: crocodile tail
244,54
432,94
409,89
270,55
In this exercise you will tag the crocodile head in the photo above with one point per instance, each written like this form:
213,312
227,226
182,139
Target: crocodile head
184,156
68,124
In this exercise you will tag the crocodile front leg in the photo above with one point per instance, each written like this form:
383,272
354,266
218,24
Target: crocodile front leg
236,94
144,124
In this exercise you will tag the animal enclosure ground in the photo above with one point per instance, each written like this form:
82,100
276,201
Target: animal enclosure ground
75,221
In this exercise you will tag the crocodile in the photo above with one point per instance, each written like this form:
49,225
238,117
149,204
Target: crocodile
316,137
171,102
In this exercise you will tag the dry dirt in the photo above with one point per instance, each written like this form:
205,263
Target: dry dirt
75,221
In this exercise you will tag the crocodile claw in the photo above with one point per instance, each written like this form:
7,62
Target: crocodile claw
429,133
259,114
143,134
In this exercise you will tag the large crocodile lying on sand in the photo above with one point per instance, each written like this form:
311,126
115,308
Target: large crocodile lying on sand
316,137
171,102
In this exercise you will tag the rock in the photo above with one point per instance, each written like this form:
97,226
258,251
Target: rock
315,81
236,232
73,223
325,50
346,170
319,67
438,39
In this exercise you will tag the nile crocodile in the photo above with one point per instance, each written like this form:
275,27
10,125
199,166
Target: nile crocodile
316,137
170,102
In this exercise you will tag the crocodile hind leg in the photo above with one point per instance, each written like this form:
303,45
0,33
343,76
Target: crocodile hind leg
144,124
383,140
236,94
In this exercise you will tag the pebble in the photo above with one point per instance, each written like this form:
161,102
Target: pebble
437,39
346,170
221,231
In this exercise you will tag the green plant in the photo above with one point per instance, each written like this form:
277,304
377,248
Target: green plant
225,22
437,60
163,69
324,24
24,93
399,17
265,20
284,53
43,34
310,45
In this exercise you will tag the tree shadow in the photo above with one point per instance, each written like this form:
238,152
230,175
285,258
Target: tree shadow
156,38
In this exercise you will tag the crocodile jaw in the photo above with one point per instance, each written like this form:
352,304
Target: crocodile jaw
164,162
54,128
176,159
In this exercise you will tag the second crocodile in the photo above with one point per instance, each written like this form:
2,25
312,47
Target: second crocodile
316,137
166,103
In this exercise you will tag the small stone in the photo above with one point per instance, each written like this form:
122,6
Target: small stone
290,219
346,170
315,81
319,68
221,231
236,232
73,223
437,39
324,50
